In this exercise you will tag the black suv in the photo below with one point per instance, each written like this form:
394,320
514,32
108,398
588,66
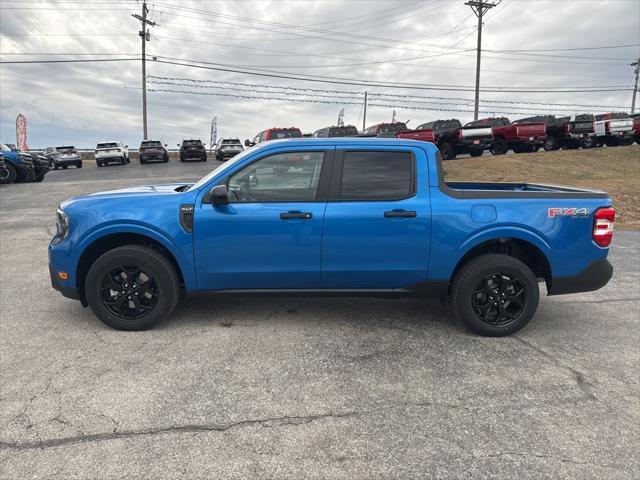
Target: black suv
192,150
152,151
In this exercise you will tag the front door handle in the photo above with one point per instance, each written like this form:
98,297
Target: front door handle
399,214
301,215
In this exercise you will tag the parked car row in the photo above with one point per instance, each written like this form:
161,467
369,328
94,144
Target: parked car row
19,167
496,134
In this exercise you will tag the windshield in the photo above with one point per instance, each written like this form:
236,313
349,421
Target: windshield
392,127
233,141
107,145
222,168
68,149
4,148
289,133
150,143
192,143
349,131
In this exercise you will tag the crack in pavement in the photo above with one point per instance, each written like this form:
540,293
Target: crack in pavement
192,428
581,381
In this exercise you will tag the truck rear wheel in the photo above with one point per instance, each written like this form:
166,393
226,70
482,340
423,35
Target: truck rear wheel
495,295
132,288
476,152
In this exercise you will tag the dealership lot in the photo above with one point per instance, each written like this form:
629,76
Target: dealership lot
295,387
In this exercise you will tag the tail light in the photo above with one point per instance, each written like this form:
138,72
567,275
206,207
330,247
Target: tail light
567,128
603,226
459,132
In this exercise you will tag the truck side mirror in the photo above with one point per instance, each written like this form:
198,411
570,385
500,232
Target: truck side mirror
178,144
126,146
219,195
247,143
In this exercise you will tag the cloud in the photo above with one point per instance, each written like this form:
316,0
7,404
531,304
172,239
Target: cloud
89,102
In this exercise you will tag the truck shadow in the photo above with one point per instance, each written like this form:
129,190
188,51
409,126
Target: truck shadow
415,316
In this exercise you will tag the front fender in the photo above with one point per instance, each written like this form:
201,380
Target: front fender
178,243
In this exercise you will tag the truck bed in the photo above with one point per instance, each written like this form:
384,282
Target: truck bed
507,189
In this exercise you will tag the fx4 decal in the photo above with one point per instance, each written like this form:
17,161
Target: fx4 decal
568,212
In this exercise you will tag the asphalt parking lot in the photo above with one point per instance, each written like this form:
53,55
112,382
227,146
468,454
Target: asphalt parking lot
305,388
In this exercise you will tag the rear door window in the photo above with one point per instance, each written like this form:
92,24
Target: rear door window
383,175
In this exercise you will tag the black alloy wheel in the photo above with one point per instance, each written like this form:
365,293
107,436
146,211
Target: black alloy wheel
498,299
132,287
495,295
128,292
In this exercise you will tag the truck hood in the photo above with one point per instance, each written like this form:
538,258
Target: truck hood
132,192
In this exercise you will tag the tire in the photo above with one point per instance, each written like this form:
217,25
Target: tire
476,152
499,147
79,165
64,167
166,158
467,288
9,175
143,162
26,176
551,144
588,142
163,281
447,151
39,177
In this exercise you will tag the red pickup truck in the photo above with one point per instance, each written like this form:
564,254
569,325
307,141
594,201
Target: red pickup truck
636,127
385,128
521,137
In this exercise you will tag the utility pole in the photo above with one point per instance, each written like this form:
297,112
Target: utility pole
479,7
145,35
635,89
364,116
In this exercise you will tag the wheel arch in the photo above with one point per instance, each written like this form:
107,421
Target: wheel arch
107,242
524,250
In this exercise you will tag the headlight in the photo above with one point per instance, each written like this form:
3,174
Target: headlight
62,224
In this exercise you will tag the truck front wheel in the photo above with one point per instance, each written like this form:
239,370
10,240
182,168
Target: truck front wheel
499,147
551,144
132,287
495,295
8,174
447,151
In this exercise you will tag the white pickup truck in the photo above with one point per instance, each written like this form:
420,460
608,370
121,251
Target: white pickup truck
111,152
613,129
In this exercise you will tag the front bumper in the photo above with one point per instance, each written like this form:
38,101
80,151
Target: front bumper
65,291
595,276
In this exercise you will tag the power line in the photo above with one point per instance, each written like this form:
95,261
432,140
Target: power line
353,92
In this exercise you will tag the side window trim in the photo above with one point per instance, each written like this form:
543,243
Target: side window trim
336,178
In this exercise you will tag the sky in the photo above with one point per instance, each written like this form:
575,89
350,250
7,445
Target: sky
534,51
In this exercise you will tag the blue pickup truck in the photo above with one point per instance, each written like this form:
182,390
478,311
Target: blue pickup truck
337,216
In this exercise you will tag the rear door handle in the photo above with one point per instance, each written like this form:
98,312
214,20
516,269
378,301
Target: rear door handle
301,215
399,214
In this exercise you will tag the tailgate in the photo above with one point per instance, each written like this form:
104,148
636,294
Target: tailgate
531,130
476,132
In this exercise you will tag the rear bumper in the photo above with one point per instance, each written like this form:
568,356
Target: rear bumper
67,161
595,276
474,143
